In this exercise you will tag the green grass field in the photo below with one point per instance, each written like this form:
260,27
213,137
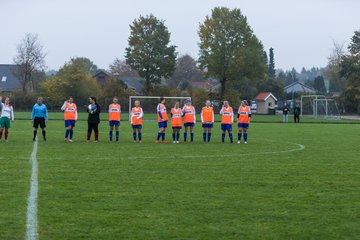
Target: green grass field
271,188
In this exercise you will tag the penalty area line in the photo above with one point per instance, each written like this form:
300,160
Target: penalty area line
31,217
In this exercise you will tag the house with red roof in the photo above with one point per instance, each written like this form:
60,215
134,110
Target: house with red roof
264,102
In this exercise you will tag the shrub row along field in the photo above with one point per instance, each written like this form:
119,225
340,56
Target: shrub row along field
291,181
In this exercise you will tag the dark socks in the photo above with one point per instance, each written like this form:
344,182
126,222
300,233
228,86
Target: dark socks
245,137
231,137
209,137
223,137
88,135
44,134
110,135
177,136
158,136
239,136
96,136
117,135
71,133
140,136
185,136
173,136
204,137
163,136
134,136
67,133
192,136
35,132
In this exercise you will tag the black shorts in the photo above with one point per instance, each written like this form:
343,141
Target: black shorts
39,121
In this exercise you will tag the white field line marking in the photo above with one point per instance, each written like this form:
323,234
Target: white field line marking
31,218
298,148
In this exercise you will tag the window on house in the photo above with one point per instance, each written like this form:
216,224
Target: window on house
269,104
3,79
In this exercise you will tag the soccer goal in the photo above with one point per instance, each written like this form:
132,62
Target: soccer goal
319,106
149,104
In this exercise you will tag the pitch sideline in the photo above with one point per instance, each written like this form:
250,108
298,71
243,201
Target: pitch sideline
31,217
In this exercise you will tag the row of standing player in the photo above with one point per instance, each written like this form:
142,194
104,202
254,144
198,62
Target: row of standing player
188,114
39,117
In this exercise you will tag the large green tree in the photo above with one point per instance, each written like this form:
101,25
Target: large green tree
150,52
350,70
229,50
73,79
271,67
80,63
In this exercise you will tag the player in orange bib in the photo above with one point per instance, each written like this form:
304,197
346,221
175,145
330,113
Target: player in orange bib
114,118
227,118
136,120
189,115
207,120
243,117
70,118
176,121
162,120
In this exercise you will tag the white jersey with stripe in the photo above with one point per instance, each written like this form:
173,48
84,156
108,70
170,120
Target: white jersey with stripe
7,111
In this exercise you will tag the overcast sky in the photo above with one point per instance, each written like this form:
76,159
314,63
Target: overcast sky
301,32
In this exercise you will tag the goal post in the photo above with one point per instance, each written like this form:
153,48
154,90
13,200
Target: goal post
319,106
151,106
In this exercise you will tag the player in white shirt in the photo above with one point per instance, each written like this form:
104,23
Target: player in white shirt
7,113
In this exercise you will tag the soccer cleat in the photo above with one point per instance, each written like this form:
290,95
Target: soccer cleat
156,141
245,142
164,142
96,141
174,141
65,139
134,141
185,142
140,141
70,140
239,142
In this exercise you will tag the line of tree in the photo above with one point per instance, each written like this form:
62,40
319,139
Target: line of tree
229,51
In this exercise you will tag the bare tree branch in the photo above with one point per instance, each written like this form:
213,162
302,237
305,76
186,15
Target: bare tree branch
30,58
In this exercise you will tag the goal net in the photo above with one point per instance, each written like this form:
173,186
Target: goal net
149,104
319,106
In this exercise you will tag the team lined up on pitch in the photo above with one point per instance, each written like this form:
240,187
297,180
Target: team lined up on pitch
185,116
